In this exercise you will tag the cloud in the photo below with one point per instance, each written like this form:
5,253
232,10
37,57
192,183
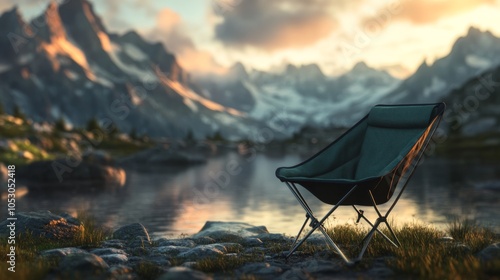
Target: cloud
428,11
169,30
277,24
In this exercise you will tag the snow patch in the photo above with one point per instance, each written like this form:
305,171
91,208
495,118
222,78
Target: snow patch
437,85
135,53
140,74
475,61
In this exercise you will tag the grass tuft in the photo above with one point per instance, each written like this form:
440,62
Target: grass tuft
28,248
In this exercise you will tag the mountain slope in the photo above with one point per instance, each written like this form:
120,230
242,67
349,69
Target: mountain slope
71,67
469,56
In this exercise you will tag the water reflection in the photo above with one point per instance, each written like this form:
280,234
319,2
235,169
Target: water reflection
238,188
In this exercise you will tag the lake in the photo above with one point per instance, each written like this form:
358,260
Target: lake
232,187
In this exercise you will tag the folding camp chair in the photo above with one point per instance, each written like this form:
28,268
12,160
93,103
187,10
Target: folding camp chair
364,167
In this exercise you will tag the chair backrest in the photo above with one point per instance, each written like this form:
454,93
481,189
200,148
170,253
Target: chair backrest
391,133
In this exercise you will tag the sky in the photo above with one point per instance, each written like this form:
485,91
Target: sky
212,35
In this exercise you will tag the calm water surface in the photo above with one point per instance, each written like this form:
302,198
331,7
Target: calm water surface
236,188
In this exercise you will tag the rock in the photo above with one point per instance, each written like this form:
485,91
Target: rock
62,252
121,272
204,251
252,241
320,266
115,258
159,260
184,273
204,240
97,156
107,251
175,242
113,243
255,250
57,174
229,230
261,269
130,233
171,250
490,253
82,266
273,237
43,224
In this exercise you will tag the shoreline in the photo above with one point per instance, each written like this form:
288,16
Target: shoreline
228,250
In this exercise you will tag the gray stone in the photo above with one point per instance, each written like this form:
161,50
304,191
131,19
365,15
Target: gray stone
107,251
159,260
139,241
273,237
82,266
171,250
62,252
131,232
204,251
261,269
115,258
229,247
320,266
175,242
113,243
295,274
252,241
40,174
204,240
184,273
490,253
121,272
229,230
43,224
254,250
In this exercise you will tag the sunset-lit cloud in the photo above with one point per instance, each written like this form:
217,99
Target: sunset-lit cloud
428,11
170,30
277,24
212,35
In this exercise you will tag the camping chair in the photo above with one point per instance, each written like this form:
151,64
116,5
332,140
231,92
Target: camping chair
364,167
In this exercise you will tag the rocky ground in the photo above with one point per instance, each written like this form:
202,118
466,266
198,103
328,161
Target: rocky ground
224,250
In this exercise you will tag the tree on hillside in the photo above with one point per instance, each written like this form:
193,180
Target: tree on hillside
93,125
60,125
18,113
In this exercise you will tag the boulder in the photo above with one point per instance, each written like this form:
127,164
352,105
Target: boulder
61,174
184,273
82,266
61,252
44,224
490,253
132,232
229,230
204,251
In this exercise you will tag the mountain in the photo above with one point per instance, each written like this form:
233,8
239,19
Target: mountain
473,108
301,95
65,64
470,55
